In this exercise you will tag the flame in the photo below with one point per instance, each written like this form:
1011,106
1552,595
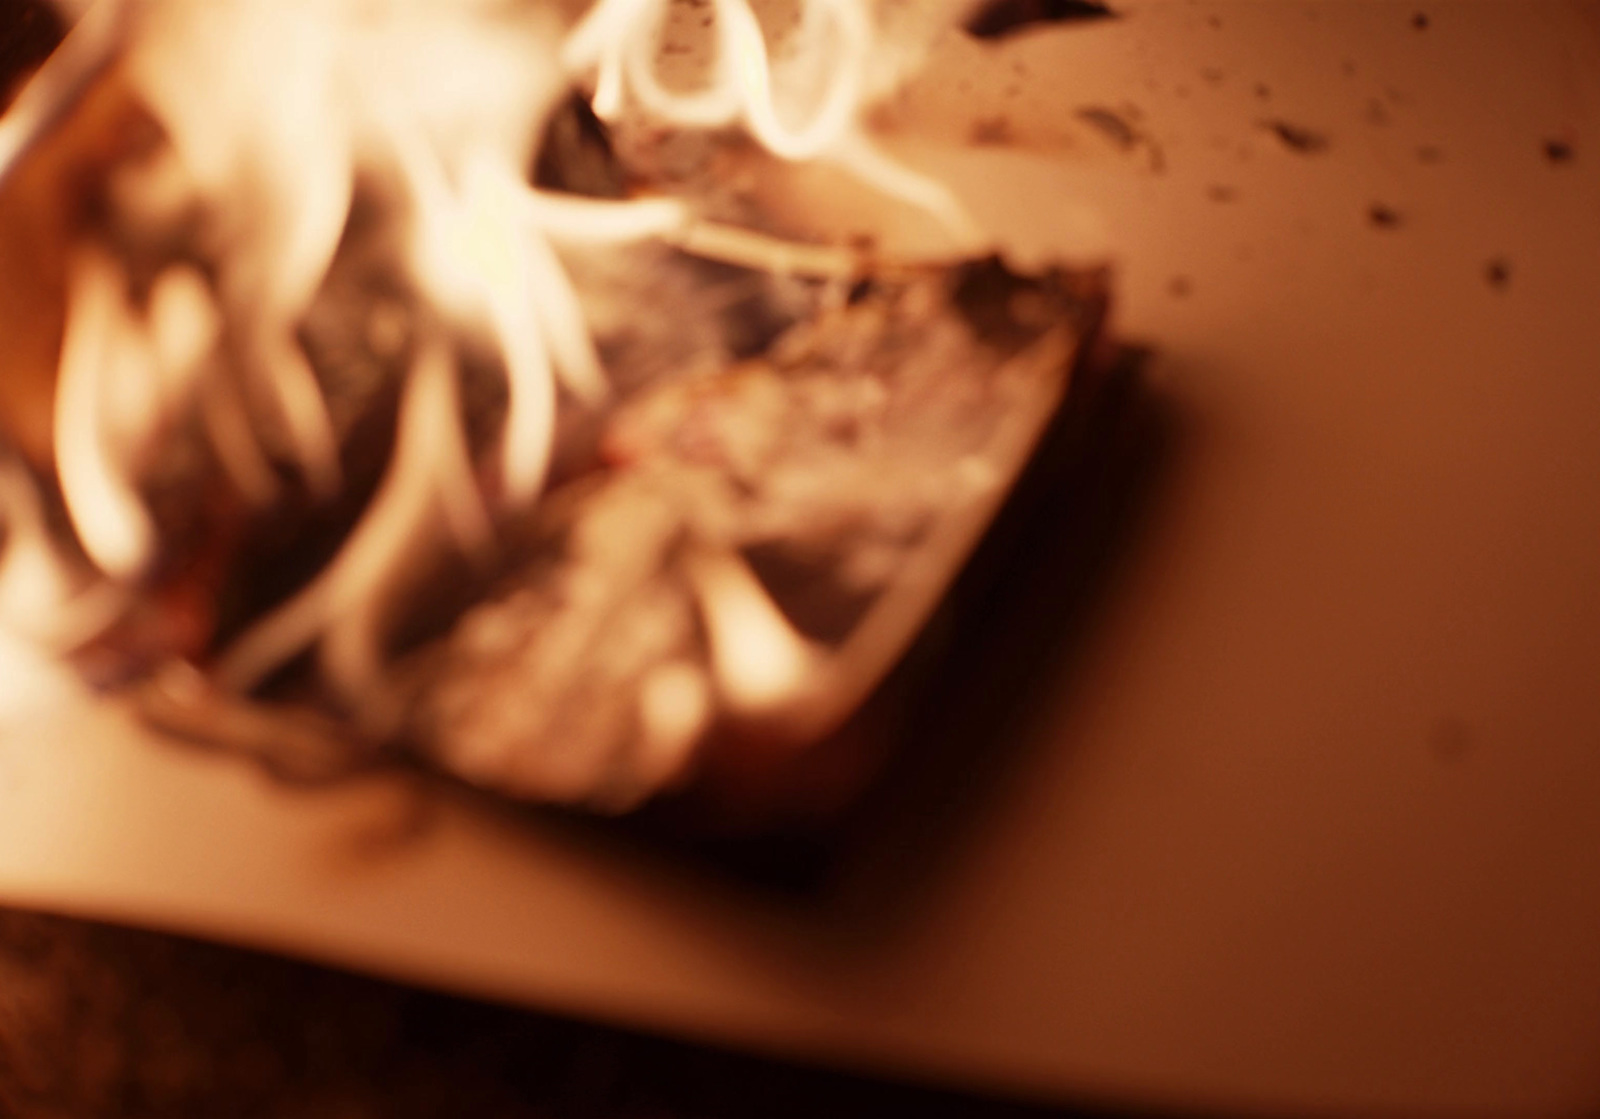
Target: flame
761,662
617,42
428,491
101,351
38,601
443,101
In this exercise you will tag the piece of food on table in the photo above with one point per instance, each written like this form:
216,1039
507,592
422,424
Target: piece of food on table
562,465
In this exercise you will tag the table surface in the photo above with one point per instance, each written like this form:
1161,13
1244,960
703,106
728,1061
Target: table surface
97,1020
1301,814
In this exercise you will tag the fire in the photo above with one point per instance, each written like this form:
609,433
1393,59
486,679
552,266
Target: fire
443,102
617,40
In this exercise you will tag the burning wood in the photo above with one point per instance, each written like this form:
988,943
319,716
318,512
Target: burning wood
327,356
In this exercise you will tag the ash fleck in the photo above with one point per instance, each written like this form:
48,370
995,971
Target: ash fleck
1263,91
1002,18
1380,216
1180,287
1420,21
1214,22
1120,129
1347,68
1498,273
1297,138
1558,151
1213,75
1112,125
1222,192
1377,113
1429,153
991,132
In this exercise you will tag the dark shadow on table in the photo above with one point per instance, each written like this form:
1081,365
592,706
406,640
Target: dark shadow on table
116,1023
958,713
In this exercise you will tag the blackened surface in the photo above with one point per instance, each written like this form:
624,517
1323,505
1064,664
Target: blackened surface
576,156
986,292
753,314
1001,18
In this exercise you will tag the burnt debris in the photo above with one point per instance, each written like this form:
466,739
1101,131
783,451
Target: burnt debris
1003,18
576,156
1558,151
1381,216
1112,125
1297,138
1120,129
991,132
